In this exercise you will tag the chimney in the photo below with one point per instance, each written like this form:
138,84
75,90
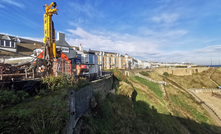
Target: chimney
80,48
61,36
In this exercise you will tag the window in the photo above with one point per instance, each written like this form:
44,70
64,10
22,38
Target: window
13,44
109,60
79,59
85,58
2,43
7,43
65,49
91,59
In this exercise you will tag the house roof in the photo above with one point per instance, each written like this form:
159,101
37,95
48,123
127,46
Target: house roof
27,48
23,40
24,48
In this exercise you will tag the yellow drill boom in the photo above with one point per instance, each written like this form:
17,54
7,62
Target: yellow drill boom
49,34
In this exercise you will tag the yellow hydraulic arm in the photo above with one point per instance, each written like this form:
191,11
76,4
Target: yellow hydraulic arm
49,33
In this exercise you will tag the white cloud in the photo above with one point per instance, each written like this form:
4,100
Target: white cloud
215,49
14,3
175,33
172,33
206,41
85,9
114,43
202,56
165,18
151,49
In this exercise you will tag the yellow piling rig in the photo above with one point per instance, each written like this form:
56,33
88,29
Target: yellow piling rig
49,32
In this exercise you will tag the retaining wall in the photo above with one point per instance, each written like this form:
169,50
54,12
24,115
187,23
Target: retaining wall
181,71
80,101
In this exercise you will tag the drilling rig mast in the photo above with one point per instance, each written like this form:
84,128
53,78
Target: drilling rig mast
45,59
49,31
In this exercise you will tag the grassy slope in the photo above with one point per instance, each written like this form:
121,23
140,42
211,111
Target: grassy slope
151,85
46,114
150,112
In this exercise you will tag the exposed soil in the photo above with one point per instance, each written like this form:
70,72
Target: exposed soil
212,100
216,76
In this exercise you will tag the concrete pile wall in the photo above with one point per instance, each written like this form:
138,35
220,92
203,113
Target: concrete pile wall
181,71
80,101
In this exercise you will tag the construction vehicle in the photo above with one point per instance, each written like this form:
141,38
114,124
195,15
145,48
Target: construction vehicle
51,60
46,59
89,65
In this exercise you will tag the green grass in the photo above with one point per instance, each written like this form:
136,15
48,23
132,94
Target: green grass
117,114
144,73
10,98
119,75
141,96
151,85
45,114
181,101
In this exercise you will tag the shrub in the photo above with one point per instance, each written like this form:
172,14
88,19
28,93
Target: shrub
82,82
8,98
144,73
64,82
166,74
119,75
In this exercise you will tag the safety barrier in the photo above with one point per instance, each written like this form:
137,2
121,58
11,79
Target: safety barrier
62,66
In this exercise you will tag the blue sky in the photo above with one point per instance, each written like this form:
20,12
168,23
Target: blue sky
154,30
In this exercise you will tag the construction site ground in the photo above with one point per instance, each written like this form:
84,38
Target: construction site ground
212,100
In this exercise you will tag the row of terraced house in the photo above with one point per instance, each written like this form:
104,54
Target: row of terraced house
110,60
16,47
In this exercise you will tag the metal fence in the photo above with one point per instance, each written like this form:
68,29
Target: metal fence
62,66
